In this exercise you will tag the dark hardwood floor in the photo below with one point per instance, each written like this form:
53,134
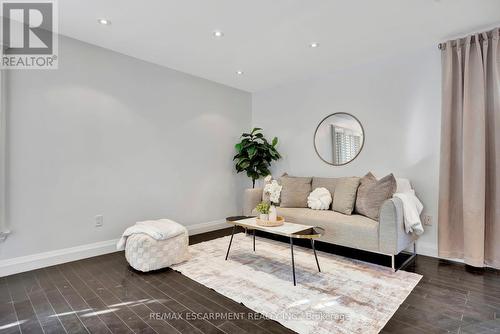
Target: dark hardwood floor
103,294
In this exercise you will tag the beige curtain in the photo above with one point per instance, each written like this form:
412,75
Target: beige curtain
469,195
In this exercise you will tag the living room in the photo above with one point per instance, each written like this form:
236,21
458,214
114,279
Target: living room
249,166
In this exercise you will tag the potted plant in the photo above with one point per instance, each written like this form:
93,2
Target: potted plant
255,154
263,210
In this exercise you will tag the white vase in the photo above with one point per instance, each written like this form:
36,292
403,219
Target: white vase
264,216
273,215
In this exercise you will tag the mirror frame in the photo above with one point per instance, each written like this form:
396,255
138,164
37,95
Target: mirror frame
360,149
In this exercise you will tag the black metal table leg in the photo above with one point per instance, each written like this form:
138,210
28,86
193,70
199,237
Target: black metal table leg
293,261
254,240
315,256
230,241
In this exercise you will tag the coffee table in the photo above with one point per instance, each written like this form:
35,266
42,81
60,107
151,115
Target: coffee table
290,230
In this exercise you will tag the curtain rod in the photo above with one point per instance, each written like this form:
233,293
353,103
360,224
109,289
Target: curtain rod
481,36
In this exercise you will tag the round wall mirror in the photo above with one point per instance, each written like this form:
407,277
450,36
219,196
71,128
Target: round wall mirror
339,138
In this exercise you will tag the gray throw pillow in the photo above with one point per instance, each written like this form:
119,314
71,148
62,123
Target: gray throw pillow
344,195
295,191
325,182
372,193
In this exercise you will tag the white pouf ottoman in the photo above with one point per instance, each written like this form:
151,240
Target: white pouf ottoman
144,253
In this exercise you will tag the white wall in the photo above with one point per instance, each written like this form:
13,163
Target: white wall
113,135
397,100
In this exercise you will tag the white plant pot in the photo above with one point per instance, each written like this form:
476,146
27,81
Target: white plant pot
273,214
264,216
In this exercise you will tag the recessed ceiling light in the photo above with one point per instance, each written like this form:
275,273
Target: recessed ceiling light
239,72
314,45
218,34
105,22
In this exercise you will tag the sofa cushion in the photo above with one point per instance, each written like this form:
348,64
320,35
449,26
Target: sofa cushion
324,182
372,193
354,231
295,191
344,195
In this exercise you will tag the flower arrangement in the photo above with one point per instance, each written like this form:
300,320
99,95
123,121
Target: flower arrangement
273,189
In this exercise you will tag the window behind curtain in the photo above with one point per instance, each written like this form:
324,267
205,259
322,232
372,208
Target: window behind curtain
346,144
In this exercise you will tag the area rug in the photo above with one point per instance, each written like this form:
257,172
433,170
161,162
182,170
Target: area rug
347,296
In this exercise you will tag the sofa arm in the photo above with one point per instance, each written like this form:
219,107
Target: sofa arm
251,198
392,235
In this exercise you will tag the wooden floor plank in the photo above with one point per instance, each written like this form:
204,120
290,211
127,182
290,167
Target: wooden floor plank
69,320
28,321
134,322
8,318
78,305
156,293
133,294
44,312
99,309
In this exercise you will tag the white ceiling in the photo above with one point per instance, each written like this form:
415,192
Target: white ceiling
268,39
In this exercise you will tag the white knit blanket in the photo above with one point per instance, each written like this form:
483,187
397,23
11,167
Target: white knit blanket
161,229
412,208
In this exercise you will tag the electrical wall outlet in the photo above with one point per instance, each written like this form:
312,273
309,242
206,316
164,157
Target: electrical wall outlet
427,220
99,220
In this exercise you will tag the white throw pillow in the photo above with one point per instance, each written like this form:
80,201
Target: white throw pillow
319,199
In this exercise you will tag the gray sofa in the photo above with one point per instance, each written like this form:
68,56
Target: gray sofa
386,236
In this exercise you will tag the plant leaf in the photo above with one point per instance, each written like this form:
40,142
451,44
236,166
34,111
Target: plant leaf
255,130
243,164
251,152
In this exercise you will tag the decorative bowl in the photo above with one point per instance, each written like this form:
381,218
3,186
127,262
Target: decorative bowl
267,223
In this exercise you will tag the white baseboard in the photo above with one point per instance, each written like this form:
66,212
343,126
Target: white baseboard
40,260
30,262
207,227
